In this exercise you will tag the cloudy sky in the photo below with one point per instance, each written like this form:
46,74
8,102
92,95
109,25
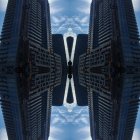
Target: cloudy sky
70,13
70,125
74,14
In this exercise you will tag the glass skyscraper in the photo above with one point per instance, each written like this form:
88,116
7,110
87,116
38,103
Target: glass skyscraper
110,69
39,70
29,70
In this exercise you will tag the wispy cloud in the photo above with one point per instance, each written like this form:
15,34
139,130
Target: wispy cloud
3,134
136,134
51,138
70,14
56,21
81,20
55,9
55,132
87,1
52,1
3,5
62,23
85,10
136,4
70,125
85,7
85,131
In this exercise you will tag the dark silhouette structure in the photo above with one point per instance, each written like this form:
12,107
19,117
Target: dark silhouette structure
110,68
102,69
69,69
58,47
81,47
29,70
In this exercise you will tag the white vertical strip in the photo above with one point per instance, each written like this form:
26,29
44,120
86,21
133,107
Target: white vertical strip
73,48
66,48
66,91
73,91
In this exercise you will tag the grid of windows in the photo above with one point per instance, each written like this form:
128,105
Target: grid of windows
109,68
27,61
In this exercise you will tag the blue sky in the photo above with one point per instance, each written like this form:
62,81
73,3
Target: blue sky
70,13
69,125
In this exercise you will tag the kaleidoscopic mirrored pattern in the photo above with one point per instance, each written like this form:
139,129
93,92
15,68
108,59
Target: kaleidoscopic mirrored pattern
69,70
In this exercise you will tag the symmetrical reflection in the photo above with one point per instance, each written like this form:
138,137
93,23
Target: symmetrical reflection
29,70
110,70
39,70
113,102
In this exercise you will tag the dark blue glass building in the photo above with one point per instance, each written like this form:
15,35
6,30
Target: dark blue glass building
29,70
110,69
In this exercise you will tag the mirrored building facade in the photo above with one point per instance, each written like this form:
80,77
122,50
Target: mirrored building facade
39,70
29,70
110,70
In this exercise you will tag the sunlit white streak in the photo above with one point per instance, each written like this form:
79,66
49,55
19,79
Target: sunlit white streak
73,91
66,91
66,48
70,34
67,58
73,47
